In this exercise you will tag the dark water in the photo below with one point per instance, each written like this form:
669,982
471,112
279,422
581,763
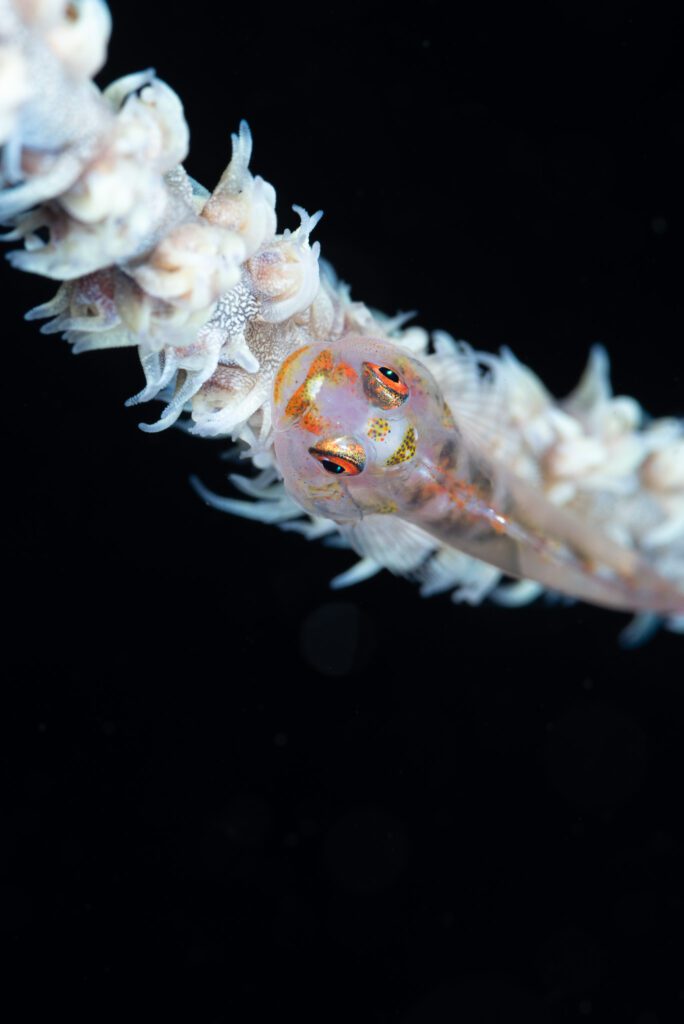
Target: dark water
233,795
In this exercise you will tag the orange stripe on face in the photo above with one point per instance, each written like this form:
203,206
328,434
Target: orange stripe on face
304,397
313,422
302,405
285,371
345,372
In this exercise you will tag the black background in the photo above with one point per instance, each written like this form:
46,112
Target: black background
230,794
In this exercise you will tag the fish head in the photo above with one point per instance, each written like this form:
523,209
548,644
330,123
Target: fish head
354,419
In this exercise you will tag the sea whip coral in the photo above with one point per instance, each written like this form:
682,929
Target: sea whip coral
217,303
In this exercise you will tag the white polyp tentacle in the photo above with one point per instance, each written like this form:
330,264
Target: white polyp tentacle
593,389
76,325
446,569
197,362
316,528
55,179
190,385
53,307
361,571
639,631
123,88
237,351
393,325
85,313
26,226
236,175
83,248
307,224
277,510
284,274
256,449
241,202
266,485
514,595
159,369
231,419
86,340
154,114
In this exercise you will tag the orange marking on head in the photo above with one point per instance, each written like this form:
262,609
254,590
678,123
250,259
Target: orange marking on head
322,363
343,371
303,397
285,371
313,422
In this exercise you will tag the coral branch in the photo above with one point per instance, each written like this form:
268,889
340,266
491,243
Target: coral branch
92,185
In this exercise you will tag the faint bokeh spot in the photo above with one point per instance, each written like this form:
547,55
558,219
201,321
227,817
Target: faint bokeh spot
246,820
366,850
484,999
596,757
568,963
331,638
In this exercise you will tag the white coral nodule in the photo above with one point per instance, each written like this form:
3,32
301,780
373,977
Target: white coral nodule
78,33
285,274
241,202
152,123
192,266
14,88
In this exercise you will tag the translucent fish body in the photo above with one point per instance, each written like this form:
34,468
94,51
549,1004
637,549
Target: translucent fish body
362,429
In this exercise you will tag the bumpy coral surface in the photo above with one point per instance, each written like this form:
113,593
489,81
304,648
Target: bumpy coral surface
216,299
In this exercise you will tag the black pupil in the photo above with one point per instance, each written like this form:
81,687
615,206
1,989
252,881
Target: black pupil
332,467
390,374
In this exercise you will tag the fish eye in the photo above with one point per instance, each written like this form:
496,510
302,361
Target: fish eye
334,464
389,374
340,455
383,386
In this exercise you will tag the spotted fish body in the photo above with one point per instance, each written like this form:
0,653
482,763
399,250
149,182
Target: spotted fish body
362,430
